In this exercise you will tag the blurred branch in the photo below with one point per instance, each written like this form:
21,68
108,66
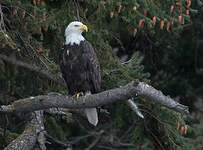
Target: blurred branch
50,75
68,144
56,141
2,24
133,89
94,143
77,9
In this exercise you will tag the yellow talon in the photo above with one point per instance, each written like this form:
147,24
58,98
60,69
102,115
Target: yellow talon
77,95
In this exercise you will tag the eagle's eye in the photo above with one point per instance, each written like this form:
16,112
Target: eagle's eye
76,25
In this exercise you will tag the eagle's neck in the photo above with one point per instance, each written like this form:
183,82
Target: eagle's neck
74,38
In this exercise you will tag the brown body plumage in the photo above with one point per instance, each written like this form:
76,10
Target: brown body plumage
80,68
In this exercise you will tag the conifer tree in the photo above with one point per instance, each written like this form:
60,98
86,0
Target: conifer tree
136,40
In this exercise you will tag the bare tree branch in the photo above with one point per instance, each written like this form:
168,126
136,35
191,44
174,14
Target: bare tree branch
139,89
56,111
134,107
133,89
28,138
2,24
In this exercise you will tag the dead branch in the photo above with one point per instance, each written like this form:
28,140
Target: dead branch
57,78
56,111
93,144
2,24
28,138
133,89
134,107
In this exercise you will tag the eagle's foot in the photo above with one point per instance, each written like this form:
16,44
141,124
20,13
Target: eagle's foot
77,95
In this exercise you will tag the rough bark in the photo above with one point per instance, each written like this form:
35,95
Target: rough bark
133,89
28,138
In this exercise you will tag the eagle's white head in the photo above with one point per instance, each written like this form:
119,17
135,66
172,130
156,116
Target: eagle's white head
73,32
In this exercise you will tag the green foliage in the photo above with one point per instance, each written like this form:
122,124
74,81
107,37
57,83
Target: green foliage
55,129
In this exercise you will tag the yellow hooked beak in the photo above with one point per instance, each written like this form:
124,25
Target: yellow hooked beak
84,27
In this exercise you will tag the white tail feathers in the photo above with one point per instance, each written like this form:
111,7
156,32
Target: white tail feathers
92,115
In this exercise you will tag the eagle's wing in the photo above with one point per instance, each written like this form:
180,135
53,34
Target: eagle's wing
80,68
93,66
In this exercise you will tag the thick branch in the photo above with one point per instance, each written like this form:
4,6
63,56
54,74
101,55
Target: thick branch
28,138
124,93
47,101
50,75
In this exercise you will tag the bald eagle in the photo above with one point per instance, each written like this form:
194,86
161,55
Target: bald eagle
79,65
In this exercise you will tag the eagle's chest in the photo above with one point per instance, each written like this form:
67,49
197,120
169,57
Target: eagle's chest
80,68
74,58
72,55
